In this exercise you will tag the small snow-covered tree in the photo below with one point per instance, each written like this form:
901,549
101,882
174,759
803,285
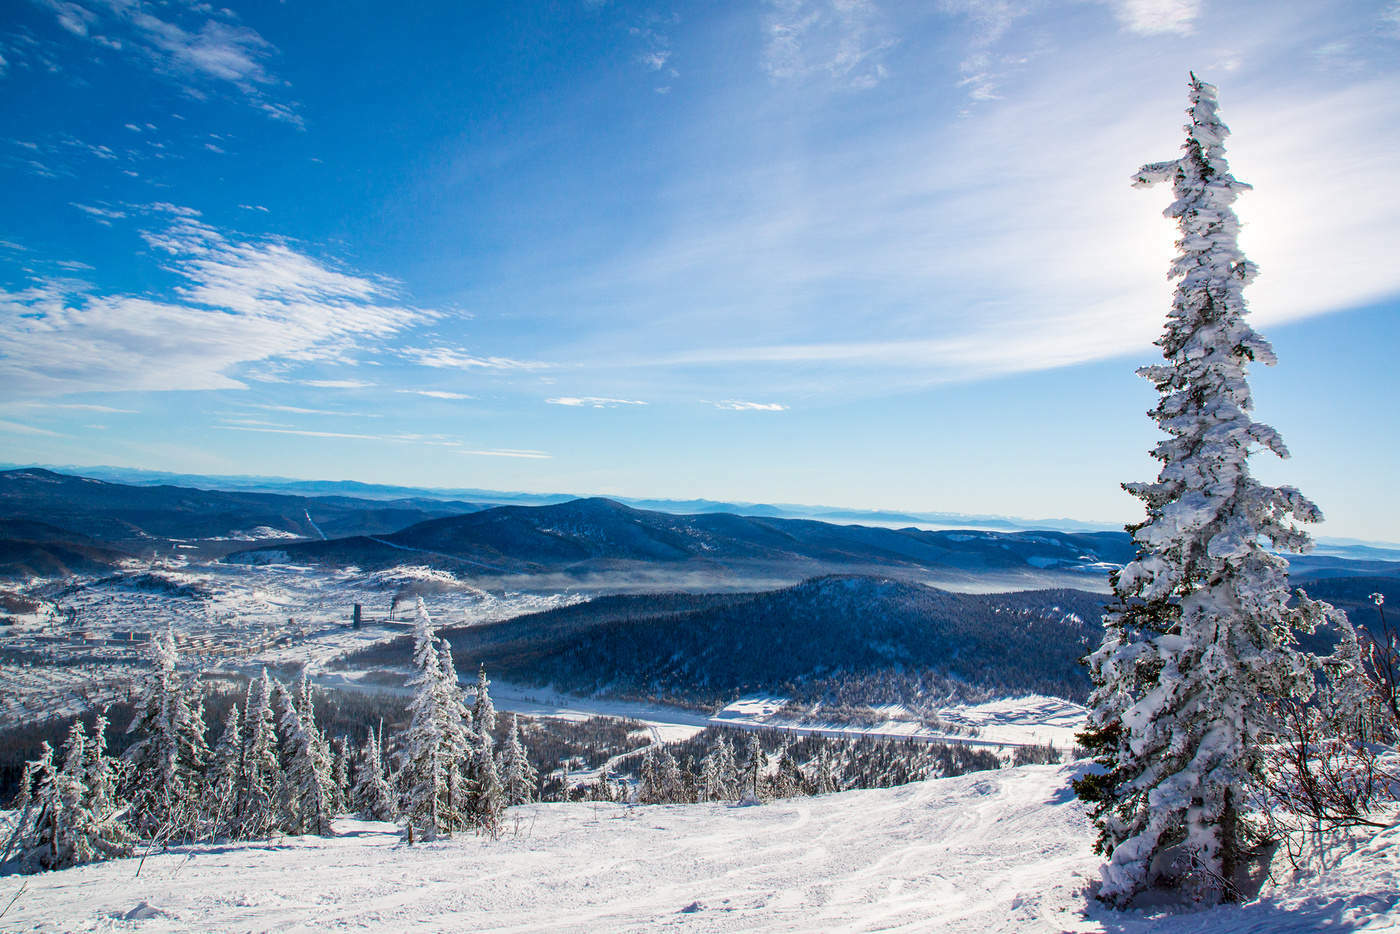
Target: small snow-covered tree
101,772
460,747
488,794
340,775
308,771
226,777
256,812
788,780
1200,634
754,779
483,711
423,770
372,798
164,781
518,776
59,826
824,778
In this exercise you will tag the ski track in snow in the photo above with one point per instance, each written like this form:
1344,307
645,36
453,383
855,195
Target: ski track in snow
1002,851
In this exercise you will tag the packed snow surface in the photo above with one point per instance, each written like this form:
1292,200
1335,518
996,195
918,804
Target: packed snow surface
990,851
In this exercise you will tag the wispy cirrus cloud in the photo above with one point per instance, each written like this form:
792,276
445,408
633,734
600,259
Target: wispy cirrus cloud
526,455
454,358
103,215
433,440
1157,17
739,405
337,383
198,45
436,393
19,428
592,402
237,301
841,40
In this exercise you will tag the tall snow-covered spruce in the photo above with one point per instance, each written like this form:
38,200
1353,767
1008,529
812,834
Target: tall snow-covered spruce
1200,634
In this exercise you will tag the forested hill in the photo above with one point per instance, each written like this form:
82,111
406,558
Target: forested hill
98,522
848,638
601,536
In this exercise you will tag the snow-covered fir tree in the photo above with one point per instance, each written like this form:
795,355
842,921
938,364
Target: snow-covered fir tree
256,812
340,775
824,776
518,776
788,780
101,772
1199,634
308,769
371,797
422,775
225,778
164,782
460,745
488,798
483,711
62,822
754,780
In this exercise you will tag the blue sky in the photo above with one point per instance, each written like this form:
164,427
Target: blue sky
851,252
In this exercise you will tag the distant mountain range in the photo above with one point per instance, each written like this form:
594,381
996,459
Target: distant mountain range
52,524
353,488
51,521
597,543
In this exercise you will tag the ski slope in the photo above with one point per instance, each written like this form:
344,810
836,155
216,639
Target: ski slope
1003,851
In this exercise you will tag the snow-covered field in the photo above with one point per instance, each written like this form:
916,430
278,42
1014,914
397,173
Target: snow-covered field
1003,851
1019,721
76,652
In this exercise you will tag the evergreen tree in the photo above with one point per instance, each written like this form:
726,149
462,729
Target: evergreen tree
101,772
755,778
788,780
423,774
711,788
518,776
824,781
649,778
483,711
489,795
62,823
288,788
257,813
164,782
308,773
372,798
459,743
1199,635
226,777
340,776
727,770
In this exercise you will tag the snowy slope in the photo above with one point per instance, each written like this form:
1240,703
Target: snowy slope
992,851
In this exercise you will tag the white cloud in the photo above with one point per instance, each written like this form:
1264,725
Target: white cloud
737,405
337,383
452,358
299,410
1157,17
19,429
437,393
239,302
434,440
75,406
205,47
102,215
595,402
842,40
528,455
